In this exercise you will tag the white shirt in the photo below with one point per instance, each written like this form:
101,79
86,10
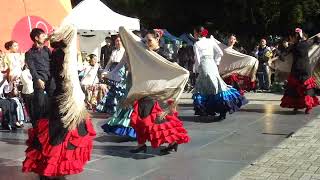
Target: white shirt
16,62
114,75
90,75
207,47
116,57
27,83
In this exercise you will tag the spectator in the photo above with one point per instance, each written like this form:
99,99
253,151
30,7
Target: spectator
186,60
264,54
90,80
27,90
38,61
106,52
15,60
232,41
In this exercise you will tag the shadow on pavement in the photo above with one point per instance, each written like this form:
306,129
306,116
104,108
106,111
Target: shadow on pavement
200,119
13,141
280,112
11,170
114,139
123,152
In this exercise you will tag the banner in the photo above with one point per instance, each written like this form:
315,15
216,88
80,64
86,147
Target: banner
19,17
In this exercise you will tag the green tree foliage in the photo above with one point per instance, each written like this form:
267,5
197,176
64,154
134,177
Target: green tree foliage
247,18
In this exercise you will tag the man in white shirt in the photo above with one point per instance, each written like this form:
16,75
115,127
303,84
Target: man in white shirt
116,55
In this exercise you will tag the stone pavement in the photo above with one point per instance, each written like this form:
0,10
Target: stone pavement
296,158
217,151
254,98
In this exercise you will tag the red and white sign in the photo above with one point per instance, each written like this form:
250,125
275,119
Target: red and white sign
22,29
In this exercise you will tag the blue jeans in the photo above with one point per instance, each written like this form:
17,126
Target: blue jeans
263,77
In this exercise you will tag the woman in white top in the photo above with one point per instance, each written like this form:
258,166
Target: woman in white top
90,81
91,72
212,95
27,90
14,60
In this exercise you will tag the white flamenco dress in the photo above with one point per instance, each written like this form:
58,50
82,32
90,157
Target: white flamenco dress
212,95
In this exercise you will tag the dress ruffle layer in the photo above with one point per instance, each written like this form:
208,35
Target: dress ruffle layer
58,160
119,130
301,99
110,102
119,124
171,130
244,82
225,101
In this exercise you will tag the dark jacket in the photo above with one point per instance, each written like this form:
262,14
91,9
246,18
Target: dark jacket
38,61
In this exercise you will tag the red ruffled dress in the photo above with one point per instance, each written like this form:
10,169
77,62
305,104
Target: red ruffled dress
64,158
171,130
300,90
300,95
52,149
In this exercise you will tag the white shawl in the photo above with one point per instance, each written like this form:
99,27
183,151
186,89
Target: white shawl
235,62
152,75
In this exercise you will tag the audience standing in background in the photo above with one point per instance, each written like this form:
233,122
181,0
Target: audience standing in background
38,61
263,54
106,52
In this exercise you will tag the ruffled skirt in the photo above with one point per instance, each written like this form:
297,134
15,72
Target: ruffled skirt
66,158
226,101
119,124
169,130
241,83
117,90
300,95
212,94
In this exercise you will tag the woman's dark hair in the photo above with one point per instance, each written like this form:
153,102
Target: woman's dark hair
153,33
25,67
232,35
91,56
36,32
9,44
138,33
199,30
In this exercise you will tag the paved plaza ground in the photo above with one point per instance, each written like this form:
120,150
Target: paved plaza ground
261,141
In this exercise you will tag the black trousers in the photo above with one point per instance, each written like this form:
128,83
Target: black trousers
41,101
9,112
263,77
27,99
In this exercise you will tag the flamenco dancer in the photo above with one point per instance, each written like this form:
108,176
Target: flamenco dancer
212,95
119,76
61,144
300,90
151,122
117,90
119,123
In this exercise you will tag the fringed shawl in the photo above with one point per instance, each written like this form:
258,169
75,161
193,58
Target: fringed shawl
71,102
152,75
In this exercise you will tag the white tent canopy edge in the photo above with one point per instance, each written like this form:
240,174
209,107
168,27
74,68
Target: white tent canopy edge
95,21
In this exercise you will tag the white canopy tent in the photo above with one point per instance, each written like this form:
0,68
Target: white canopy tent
95,21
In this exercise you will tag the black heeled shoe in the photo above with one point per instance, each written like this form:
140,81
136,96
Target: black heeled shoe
52,178
139,149
171,147
222,116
